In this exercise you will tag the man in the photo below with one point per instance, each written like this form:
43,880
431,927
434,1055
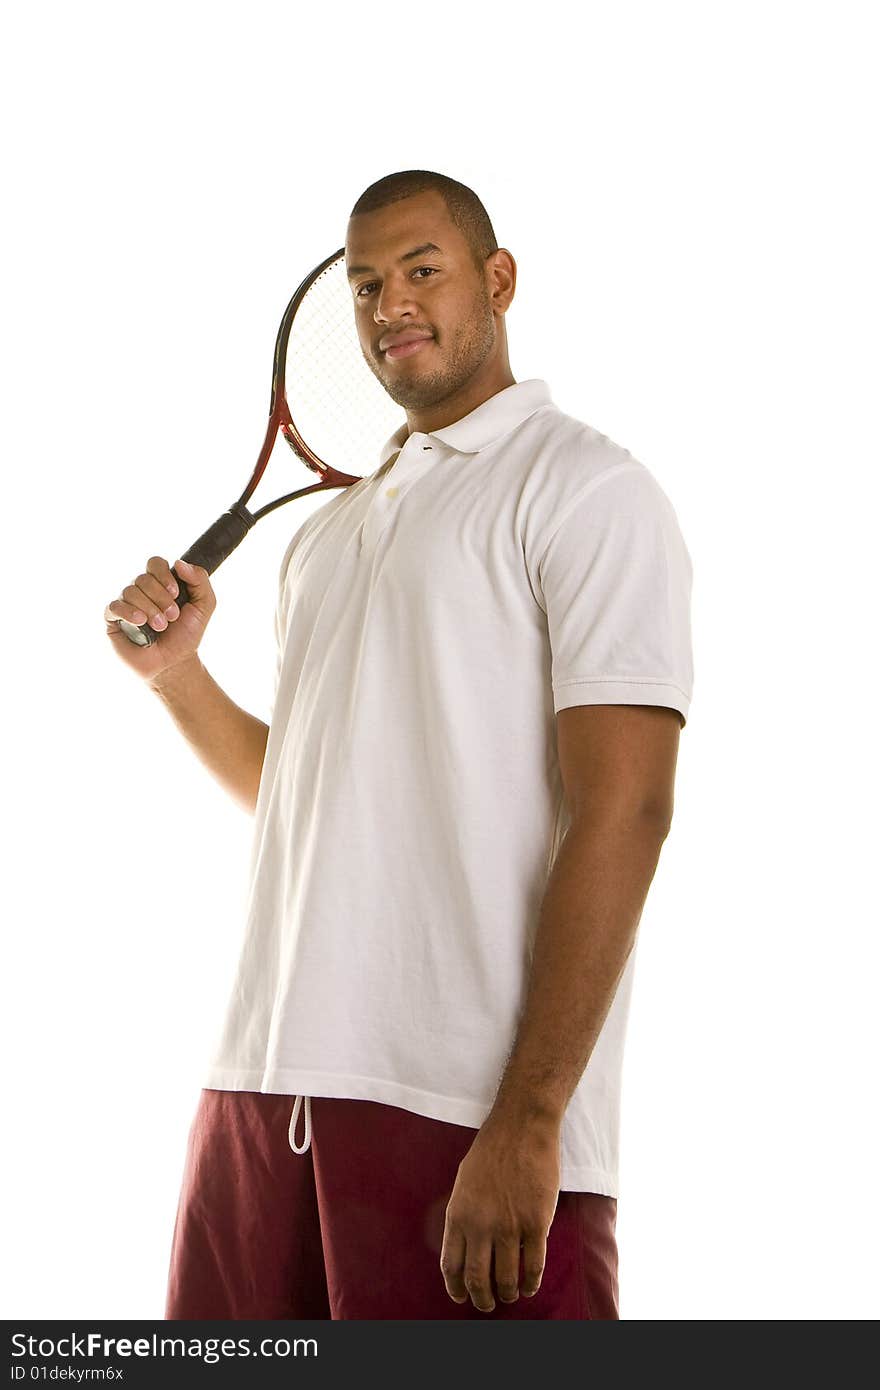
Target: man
484,665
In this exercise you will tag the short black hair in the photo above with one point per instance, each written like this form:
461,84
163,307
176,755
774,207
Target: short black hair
462,203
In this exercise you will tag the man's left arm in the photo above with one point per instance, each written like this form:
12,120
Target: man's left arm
618,772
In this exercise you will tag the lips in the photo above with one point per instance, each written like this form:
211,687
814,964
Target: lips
404,344
407,349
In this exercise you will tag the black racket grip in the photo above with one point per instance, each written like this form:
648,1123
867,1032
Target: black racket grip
209,551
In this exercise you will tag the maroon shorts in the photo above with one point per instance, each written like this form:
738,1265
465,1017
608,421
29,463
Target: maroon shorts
352,1227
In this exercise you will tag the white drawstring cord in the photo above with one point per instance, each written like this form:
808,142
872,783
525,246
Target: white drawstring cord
307,1122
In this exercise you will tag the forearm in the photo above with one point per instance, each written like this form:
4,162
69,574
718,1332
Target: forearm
229,742
588,921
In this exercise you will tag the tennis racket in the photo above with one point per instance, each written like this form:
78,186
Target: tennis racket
325,403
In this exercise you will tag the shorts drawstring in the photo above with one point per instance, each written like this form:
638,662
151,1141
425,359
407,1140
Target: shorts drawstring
307,1122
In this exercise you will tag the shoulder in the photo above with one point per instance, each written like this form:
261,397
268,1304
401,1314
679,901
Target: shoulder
312,527
575,468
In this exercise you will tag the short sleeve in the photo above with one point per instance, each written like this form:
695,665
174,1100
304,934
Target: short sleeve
615,578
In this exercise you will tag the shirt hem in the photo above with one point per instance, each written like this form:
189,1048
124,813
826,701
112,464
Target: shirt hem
597,691
471,1114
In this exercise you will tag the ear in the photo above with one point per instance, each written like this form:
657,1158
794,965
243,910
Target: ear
501,279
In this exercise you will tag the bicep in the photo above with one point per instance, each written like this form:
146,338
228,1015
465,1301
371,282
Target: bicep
618,759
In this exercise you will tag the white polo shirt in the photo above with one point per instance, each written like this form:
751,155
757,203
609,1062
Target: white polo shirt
432,619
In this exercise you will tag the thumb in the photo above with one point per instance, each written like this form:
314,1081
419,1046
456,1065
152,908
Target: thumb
196,577
197,582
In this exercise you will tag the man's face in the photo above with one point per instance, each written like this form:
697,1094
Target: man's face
437,299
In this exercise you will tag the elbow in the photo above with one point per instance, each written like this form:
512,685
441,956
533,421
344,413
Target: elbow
658,815
649,818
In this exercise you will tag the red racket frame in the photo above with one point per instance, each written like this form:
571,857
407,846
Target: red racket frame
230,529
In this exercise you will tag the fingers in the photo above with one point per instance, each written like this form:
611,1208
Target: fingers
477,1273
149,598
466,1266
470,1267
507,1269
534,1259
452,1262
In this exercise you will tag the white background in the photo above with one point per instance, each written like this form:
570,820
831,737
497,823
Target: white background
687,191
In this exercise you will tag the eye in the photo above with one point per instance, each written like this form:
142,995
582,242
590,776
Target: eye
362,290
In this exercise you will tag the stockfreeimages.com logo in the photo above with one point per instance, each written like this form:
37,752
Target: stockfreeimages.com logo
208,1349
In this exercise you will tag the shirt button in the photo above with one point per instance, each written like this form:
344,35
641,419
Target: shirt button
391,492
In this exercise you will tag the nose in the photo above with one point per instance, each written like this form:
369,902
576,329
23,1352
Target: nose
395,301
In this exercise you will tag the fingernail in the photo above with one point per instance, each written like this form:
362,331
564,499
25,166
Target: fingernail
172,611
138,617
159,621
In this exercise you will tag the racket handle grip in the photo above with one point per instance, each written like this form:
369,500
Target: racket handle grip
209,551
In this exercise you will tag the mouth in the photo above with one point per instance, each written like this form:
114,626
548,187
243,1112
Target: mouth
406,347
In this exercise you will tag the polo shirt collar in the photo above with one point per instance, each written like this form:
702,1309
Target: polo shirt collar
489,422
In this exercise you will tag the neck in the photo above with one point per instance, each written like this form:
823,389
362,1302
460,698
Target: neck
474,392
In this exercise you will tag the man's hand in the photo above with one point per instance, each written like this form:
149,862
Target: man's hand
504,1197
151,598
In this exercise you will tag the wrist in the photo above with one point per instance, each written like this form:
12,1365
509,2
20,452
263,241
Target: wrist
526,1111
172,679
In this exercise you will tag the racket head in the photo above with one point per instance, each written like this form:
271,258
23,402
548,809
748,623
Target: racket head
332,410
326,403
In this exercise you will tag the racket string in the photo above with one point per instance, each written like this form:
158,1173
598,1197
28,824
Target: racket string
339,406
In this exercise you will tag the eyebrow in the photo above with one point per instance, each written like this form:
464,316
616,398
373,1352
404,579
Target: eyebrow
407,256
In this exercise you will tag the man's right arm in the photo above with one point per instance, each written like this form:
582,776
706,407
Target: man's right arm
229,742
